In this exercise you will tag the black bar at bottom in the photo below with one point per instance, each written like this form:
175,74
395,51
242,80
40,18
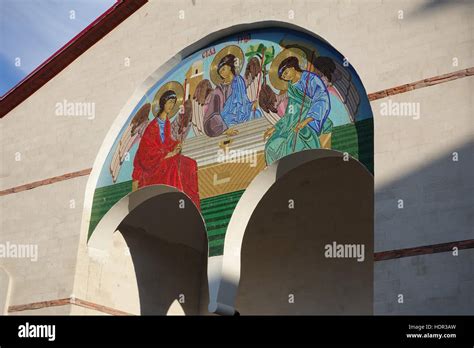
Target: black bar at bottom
412,330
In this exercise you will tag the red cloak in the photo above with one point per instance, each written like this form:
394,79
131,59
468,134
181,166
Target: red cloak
150,167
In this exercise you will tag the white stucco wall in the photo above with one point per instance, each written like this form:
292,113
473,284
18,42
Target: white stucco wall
385,51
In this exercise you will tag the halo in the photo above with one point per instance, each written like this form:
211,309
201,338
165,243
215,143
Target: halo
231,49
273,72
174,86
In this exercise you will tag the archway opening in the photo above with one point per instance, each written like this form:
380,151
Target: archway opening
286,262
168,245
158,255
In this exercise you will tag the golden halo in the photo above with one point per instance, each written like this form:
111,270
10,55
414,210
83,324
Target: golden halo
287,52
231,49
174,86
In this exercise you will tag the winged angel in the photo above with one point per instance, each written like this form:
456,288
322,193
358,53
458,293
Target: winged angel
299,114
158,159
233,100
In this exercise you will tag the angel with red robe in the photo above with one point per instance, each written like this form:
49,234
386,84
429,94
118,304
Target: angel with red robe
158,159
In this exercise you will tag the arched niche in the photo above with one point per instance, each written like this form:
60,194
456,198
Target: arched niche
216,167
275,257
158,261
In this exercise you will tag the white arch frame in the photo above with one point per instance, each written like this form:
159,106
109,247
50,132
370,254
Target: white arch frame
225,271
101,240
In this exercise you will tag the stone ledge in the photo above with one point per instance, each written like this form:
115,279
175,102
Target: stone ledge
66,301
48,181
431,81
423,250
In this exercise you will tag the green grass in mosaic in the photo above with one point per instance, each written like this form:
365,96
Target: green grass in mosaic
105,198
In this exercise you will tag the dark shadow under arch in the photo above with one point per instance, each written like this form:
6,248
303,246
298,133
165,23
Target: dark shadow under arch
270,249
284,268
168,246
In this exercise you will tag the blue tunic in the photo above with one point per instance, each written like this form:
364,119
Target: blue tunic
318,95
238,107
161,127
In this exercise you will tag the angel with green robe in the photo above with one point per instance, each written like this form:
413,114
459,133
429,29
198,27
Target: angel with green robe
306,108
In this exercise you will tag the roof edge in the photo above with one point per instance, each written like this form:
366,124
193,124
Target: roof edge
95,31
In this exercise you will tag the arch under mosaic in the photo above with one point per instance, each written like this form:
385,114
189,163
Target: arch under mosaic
227,111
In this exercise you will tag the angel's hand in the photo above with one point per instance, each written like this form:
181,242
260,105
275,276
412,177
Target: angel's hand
298,126
175,151
231,131
268,133
302,124
254,105
178,148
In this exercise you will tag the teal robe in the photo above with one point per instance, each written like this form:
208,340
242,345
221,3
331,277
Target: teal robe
316,105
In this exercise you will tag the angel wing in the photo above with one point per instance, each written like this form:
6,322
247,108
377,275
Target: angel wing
130,137
203,89
182,123
257,90
338,76
272,105
252,77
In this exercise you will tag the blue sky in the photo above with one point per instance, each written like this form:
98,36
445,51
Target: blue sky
33,30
